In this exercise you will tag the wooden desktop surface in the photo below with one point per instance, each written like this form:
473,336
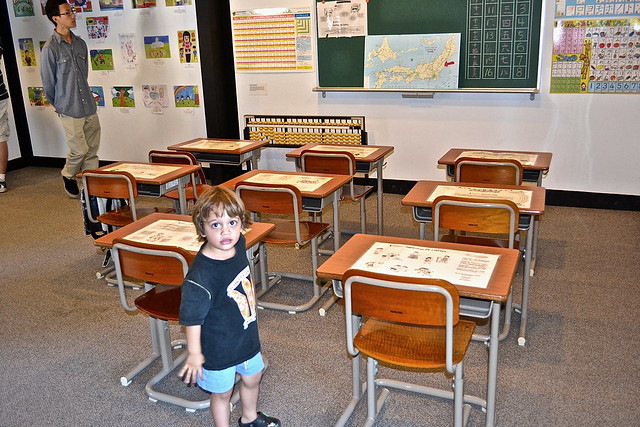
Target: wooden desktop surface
244,148
336,182
499,285
380,152
543,159
257,231
420,192
181,171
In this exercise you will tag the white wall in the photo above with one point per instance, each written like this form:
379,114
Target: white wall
593,138
127,134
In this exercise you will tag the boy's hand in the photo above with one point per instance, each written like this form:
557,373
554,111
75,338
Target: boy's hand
192,368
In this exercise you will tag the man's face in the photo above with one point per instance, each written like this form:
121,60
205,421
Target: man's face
66,18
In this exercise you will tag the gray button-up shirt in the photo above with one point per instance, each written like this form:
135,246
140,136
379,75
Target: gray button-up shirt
64,69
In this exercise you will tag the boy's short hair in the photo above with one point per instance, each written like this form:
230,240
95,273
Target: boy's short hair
219,199
52,9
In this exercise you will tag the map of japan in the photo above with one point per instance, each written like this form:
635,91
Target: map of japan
412,61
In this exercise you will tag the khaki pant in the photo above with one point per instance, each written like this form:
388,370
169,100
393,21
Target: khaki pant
83,139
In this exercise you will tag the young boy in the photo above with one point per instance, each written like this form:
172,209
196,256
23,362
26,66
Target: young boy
219,311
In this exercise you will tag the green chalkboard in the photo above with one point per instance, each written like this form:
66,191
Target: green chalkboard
499,40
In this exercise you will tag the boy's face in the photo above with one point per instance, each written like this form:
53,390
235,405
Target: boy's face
222,233
67,17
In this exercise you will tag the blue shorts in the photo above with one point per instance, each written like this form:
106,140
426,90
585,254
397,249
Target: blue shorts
223,380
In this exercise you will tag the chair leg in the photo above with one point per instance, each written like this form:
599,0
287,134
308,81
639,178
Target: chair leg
372,411
458,395
363,216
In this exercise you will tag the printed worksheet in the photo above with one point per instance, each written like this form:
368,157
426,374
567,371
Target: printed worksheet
358,152
217,145
144,171
457,267
522,198
524,158
304,183
168,232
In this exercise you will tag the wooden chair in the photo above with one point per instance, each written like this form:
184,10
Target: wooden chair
279,199
493,222
198,184
488,171
162,269
115,185
339,163
411,324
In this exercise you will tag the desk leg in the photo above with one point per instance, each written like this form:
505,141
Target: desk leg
379,166
492,372
526,278
182,194
336,220
534,249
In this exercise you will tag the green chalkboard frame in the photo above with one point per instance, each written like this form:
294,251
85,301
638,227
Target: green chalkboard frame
341,60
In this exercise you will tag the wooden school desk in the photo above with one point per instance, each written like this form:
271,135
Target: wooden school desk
530,201
233,152
535,164
368,159
175,230
495,294
315,196
157,179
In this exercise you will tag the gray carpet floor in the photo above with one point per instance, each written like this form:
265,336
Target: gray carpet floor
66,341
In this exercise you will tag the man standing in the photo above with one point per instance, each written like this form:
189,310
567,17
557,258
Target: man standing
4,130
64,70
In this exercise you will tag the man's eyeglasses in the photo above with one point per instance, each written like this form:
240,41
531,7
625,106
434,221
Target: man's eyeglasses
66,13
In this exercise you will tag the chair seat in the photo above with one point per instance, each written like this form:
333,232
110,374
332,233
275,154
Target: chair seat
479,241
359,191
412,346
123,216
161,302
200,188
285,231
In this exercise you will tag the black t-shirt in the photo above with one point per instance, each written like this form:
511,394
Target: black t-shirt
219,295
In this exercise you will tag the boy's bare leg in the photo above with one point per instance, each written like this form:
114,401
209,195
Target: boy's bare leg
220,410
249,390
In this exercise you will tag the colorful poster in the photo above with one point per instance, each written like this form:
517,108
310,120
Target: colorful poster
186,96
23,8
595,9
98,95
122,96
42,43
98,27
37,97
272,40
155,97
80,6
43,3
143,4
596,56
27,52
156,47
111,5
101,59
187,46
128,48
170,3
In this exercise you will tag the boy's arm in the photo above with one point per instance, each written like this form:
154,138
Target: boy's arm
48,66
192,368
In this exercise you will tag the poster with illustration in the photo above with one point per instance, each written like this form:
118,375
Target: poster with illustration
42,43
98,27
98,95
170,3
155,97
27,53
111,5
23,8
186,96
37,97
187,46
122,96
128,48
143,4
101,59
43,3
157,47
80,6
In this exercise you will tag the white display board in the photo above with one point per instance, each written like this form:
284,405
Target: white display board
128,133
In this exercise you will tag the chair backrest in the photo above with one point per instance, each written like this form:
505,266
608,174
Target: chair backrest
334,162
475,215
176,158
407,300
110,185
166,265
488,171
